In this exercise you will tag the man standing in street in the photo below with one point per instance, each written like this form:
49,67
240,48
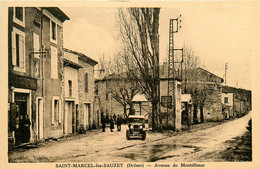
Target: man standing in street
103,121
111,123
118,122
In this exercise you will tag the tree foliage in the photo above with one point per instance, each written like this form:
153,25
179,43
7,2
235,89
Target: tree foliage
139,32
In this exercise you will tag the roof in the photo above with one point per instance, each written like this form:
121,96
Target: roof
229,89
222,80
164,72
57,13
135,117
139,98
186,98
71,64
82,57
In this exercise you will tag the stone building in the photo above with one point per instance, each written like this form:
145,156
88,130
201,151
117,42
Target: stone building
34,64
239,100
205,89
80,112
107,87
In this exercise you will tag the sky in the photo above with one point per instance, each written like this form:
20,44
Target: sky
219,33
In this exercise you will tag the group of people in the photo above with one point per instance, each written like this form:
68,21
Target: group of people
112,120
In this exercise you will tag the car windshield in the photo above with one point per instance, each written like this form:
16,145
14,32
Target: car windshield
135,120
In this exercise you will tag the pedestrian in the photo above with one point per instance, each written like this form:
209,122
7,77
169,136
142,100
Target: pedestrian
103,121
119,122
24,128
27,125
107,118
111,123
114,118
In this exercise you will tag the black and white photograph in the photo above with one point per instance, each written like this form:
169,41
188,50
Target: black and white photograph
130,85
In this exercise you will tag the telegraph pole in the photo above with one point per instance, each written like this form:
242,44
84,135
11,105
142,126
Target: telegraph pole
226,67
171,71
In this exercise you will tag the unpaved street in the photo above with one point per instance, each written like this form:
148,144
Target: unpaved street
96,146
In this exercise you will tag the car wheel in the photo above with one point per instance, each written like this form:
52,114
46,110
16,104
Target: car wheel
127,135
144,135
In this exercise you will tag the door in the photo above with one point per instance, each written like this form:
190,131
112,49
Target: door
77,118
68,117
39,119
85,116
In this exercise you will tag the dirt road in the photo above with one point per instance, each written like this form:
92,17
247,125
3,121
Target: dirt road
97,146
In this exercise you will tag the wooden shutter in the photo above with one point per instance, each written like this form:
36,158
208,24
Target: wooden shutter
14,62
52,111
60,111
54,63
21,51
36,44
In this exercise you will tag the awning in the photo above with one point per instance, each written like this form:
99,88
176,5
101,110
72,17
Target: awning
186,98
139,98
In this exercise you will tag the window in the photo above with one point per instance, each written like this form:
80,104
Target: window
53,31
53,26
19,16
70,88
56,110
19,13
225,99
86,82
106,96
18,52
54,63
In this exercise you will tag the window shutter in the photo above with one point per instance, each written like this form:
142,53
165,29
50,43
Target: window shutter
36,44
59,111
21,50
54,63
52,111
14,62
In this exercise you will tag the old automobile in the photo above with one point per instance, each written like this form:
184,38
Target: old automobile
136,127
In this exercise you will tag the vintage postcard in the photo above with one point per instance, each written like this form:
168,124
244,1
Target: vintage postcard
130,84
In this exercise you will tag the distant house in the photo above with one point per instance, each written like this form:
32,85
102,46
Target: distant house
79,112
239,100
205,89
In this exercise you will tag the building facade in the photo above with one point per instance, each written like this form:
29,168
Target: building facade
79,92
239,100
35,63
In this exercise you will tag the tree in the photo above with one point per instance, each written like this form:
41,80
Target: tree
119,83
139,32
194,81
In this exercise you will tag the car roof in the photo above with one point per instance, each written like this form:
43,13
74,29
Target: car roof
135,117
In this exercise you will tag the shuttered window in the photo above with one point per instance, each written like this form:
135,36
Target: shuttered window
56,110
19,13
18,50
36,44
54,63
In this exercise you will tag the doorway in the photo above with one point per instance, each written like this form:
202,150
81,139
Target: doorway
39,118
69,117
87,116
22,131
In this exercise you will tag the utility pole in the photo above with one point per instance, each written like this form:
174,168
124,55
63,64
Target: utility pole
226,67
171,72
